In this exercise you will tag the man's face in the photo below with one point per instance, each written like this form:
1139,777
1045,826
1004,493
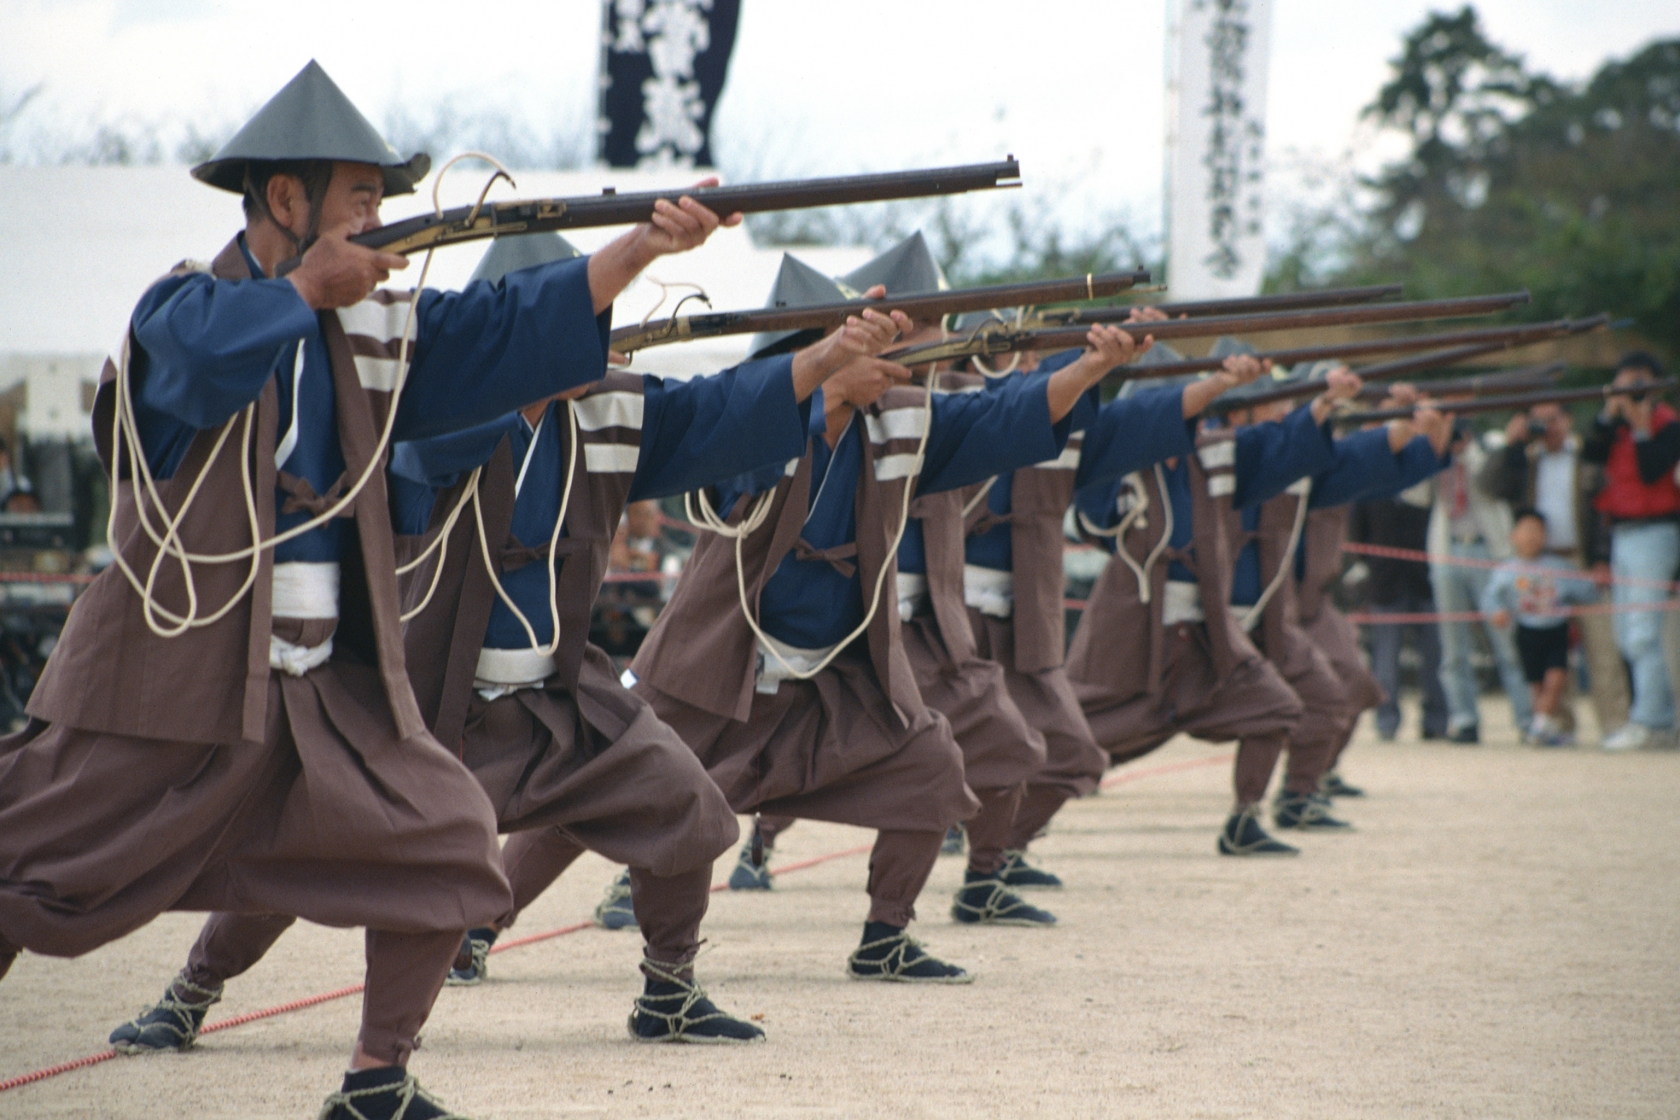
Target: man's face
1553,421
353,197
1632,375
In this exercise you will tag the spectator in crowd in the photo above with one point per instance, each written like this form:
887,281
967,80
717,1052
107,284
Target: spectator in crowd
1542,468
1468,523
1637,439
1525,590
1401,587
16,493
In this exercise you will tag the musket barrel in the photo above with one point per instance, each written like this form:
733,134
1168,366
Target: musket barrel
1289,301
1376,375
1003,342
612,209
1476,384
500,219
1465,345
931,305
1500,403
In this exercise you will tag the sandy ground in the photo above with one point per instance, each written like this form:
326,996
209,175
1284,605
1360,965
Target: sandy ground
1498,939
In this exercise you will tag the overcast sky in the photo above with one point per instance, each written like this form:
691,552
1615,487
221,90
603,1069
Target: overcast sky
1072,87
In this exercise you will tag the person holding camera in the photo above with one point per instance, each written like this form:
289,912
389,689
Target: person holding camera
1637,439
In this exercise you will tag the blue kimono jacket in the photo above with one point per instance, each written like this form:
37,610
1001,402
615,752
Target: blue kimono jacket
808,603
206,348
693,432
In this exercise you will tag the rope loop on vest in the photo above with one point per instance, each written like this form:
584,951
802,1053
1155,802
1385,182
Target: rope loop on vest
573,451
1286,565
125,429
761,510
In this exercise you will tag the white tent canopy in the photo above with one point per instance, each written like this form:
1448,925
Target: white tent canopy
78,245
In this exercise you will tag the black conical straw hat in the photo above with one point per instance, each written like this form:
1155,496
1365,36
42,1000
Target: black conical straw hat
797,285
907,269
1225,347
310,118
526,250
1159,354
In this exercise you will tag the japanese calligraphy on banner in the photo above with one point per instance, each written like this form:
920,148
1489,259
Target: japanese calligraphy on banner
1216,133
663,64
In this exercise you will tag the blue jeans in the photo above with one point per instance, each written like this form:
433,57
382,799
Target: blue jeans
1385,666
1459,588
1644,552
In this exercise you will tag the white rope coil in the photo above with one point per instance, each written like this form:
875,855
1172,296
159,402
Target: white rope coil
754,519
166,538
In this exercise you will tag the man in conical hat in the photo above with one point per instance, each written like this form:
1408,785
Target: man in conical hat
1267,549
1158,649
1003,749
570,759
231,720
780,658
1319,565
1014,585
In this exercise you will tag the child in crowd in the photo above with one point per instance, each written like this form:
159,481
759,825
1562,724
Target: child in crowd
1534,597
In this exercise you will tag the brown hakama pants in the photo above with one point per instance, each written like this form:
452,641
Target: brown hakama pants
331,818
1253,706
1001,750
1332,633
563,787
1074,764
1325,711
833,748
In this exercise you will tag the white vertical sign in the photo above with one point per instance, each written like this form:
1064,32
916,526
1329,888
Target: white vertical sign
1216,136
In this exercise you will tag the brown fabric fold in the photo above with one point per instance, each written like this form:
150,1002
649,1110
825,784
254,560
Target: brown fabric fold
333,818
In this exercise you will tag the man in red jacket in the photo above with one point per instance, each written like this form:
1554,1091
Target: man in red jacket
1637,438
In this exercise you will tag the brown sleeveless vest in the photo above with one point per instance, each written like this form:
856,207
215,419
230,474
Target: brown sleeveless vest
1280,622
110,673
1120,645
443,641
1039,500
1322,542
702,651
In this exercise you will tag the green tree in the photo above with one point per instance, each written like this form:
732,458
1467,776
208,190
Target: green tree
1515,180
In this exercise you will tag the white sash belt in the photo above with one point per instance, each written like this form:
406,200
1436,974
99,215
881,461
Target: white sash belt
989,591
771,672
305,590
501,671
1182,603
912,589
302,590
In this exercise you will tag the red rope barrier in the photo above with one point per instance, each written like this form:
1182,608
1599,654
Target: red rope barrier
1389,552
532,939
46,577
353,989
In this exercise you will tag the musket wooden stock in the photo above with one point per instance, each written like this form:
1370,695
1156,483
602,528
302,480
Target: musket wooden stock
931,305
1290,301
1464,346
1511,401
988,342
609,208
